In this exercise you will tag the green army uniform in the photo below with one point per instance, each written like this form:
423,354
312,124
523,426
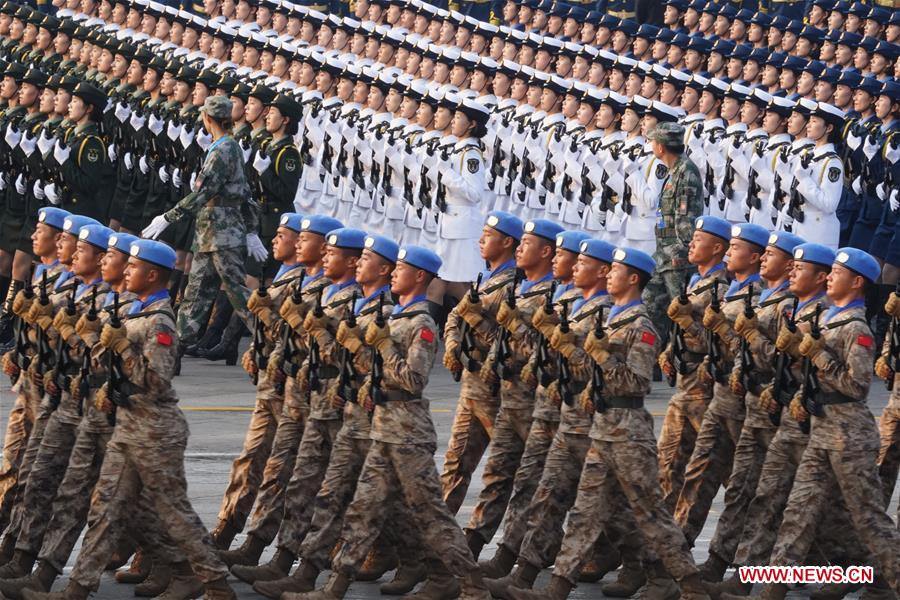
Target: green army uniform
148,145
255,140
276,191
87,175
21,209
125,138
159,197
12,202
189,161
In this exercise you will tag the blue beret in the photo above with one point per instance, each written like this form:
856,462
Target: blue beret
895,18
859,9
506,223
647,31
813,34
292,221
628,27
870,85
741,52
700,44
665,35
320,224
95,235
635,259
868,44
814,253
421,258
891,89
597,249
830,75
780,22
859,262
73,224
571,240
153,252
785,241
122,242
759,55
728,11
715,226
850,78
750,232
850,38
52,216
384,247
795,64
762,19
776,59
888,50
794,26
682,40
723,47
879,15
744,15
543,228
679,4
347,237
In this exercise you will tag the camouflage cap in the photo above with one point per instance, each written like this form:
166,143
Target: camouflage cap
668,134
217,107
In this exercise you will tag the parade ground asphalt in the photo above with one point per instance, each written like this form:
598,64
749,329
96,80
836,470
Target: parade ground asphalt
217,401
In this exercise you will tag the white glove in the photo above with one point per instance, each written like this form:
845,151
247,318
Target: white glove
852,140
122,112
192,184
870,149
261,163
176,177
111,153
28,144
246,152
143,166
20,185
255,248
173,131
880,191
155,125
12,136
60,153
204,139
137,122
892,154
155,228
186,137
44,144
895,201
163,175
3,177
856,186
129,163
52,196
38,190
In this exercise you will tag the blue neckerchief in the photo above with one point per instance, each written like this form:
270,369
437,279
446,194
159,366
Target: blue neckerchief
562,289
810,301
216,144
361,302
285,268
527,284
697,276
836,310
334,288
310,278
580,302
63,277
83,287
108,299
764,295
39,271
488,273
736,286
399,308
616,309
138,305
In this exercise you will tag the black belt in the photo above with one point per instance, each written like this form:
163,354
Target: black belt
624,402
833,398
328,372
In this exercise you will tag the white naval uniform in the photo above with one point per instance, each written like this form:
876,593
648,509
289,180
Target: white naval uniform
820,185
413,155
392,178
799,148
767,167
752,148
646,183
571,214
343,164
514,147
499,139
713,164
729,148
558,156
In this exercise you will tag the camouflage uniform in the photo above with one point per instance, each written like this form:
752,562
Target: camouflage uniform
622,457
291,425
347,457
680,203
842,452
146,455
223,218
514,421
710,463
400,464
477,408
247,469
687,406
889,430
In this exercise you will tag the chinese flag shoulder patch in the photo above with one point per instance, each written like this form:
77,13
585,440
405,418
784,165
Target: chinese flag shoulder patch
648,338
427,335
865,341
164,339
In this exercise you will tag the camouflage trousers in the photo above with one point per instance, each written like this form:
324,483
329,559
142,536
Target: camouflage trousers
247,469
15,441
73,500
470,435
615,470
133,472
209,270
889,454
749,456
708,469
277,472
304,484
678,435
43,481
393,474
507,448
854,474
662,287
